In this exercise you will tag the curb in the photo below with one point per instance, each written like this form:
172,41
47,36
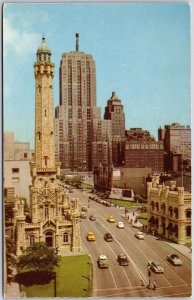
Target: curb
179,251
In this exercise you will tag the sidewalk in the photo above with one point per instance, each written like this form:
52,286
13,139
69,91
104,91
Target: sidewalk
185,251
131,217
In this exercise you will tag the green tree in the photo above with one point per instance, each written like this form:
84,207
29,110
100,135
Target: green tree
38,257
9,213
10,258
76,181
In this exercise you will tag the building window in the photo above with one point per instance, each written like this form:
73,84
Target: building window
25,155
46,211
65,237
15,179
32,240
188,231
188,213
15,170
170,210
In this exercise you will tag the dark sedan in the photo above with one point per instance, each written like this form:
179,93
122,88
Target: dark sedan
108,237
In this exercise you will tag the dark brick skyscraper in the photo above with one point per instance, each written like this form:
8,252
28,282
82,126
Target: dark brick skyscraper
114,112
77,110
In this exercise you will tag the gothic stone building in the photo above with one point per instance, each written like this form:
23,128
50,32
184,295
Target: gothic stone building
53,219
169,212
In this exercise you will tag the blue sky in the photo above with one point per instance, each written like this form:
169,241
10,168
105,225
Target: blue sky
142,51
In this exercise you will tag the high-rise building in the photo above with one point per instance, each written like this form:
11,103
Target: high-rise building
141,150
102,143
114,112
53,220
77,110
177,145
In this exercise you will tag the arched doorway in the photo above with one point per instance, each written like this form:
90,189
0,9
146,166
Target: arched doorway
49,238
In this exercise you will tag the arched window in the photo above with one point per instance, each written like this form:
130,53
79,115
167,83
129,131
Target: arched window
188,213
176,212
39,135
188,231
170,210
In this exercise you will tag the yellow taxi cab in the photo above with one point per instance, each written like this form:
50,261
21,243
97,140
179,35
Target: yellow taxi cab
111,219
91,236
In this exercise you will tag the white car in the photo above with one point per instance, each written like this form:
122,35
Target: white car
156,267
120,225
174,259
139,235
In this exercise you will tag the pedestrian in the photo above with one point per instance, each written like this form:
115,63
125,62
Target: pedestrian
133,213
154,283
149,272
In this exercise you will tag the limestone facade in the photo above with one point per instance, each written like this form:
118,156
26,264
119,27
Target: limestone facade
169,212
53,219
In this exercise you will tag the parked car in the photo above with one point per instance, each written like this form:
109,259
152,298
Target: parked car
92,218
103,261
120,225
108,237
156,267
174,259
139,235
84,208
111,219
83,215
91,236
122,260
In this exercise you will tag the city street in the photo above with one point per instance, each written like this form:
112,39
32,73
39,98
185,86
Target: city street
131,280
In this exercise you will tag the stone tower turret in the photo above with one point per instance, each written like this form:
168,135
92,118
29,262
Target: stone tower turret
44,130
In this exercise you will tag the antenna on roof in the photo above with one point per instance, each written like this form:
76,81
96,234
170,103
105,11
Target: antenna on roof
77,41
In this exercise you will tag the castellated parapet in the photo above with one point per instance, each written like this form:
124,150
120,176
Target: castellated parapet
169,212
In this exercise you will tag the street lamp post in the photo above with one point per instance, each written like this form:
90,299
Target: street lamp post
55,284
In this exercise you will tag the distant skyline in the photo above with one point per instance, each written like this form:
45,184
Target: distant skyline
142,52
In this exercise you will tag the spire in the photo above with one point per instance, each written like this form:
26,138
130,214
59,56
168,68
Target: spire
77,41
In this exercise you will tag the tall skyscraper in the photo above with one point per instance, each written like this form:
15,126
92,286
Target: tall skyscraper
114,112
177,145
77,110
102,143
52,220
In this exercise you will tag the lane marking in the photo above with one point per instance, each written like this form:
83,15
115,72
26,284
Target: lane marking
141,275
107,244
149,259
109,266
134,265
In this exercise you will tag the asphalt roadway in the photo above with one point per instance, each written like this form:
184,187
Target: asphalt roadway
132,280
